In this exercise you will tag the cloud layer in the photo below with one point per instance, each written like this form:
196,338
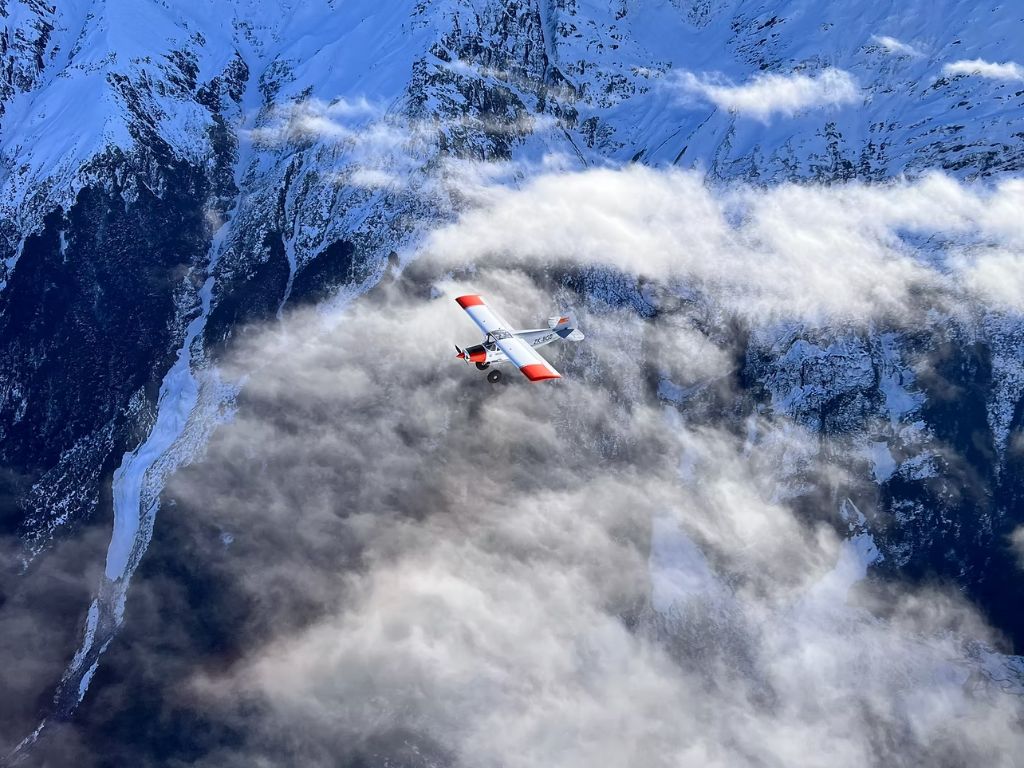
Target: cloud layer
851,251
570,575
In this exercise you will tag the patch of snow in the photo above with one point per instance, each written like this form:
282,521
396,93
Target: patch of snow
1006,341
1005,672
827,599
187,415
83,685
894,379
883,464
851,513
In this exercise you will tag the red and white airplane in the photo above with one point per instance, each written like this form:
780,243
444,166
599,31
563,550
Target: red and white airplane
502,344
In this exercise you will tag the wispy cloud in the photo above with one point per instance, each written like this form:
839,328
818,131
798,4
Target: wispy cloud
770,94
892,45
372,178
381,150
1017,542
315,119
1007,70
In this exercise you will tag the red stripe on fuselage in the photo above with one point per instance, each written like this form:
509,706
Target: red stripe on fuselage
470,300
538,372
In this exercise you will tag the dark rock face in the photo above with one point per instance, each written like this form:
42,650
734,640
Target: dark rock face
90,321
963,518
23,50
945,509
254,294
338,264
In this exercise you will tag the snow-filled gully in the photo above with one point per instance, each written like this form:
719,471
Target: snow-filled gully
137,484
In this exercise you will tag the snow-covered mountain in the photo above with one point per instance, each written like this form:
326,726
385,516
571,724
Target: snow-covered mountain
173,174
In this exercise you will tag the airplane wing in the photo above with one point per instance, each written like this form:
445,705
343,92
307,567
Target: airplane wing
533,366
522,355
485,317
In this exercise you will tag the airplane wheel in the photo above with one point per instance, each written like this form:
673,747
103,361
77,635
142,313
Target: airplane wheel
482,366
494,377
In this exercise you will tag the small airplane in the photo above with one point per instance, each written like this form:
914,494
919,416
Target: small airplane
502,344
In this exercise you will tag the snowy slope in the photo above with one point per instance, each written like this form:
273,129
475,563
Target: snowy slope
626,60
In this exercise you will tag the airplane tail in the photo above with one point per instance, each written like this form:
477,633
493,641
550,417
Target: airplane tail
565,326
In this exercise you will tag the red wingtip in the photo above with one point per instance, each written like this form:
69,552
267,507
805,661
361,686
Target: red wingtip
538,372
469,300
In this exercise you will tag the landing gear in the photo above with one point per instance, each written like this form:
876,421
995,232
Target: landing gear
482,366
494,377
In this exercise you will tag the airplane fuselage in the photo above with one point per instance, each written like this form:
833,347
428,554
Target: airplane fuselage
488,352
501,344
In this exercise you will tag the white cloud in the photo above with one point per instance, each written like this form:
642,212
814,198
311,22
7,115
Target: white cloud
1008,70
386,151
797,251
768,94
997,276
892,45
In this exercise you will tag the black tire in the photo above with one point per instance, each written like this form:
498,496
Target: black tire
494,377
482,366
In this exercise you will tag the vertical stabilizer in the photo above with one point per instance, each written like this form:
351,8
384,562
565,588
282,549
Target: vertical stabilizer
566,321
